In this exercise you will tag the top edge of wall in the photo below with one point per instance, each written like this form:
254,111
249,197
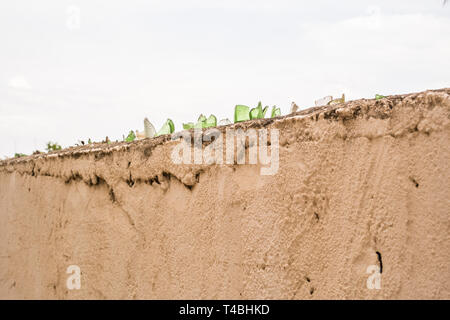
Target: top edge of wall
337,112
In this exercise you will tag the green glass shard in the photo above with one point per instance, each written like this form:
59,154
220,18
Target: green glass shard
131,136
199,125
201,118
202,122
276,112
241,113
167,128
19,155
52,146
171,125
211,121
257,113
379,97
189,125
337,101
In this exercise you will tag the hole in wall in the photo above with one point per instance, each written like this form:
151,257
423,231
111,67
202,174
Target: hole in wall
112,196
413,180
130,181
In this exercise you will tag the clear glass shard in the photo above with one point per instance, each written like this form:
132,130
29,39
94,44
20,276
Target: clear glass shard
224,122
149,129
324,101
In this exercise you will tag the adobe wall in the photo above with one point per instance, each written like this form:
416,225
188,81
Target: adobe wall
353,180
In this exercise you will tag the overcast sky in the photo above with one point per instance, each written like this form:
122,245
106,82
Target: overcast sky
73,70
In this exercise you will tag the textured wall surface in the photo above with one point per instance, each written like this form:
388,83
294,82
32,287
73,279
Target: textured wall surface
355,179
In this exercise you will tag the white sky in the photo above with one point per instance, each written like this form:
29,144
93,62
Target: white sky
64,81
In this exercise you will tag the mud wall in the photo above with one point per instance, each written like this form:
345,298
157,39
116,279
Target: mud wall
360,184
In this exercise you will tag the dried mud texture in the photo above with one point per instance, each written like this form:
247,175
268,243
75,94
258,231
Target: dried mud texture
362,183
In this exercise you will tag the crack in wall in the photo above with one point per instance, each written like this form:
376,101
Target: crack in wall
380,261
